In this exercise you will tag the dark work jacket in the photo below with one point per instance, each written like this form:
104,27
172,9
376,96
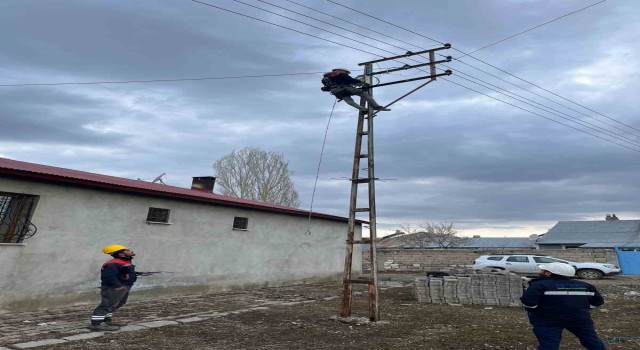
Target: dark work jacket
343,79
117,273
560,301
343,83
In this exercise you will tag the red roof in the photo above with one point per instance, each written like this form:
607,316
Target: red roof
105,182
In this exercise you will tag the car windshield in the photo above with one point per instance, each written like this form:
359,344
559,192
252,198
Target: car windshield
546,260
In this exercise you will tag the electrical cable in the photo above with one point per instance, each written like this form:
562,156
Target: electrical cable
325,22
158,80
295,30
493,66
532,28
547,109
575,120
382,20
315,184
284,27
285,74
540,115
541,96
602,130
354,24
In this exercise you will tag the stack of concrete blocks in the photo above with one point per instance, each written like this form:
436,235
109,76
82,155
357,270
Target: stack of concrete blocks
436,290
489,292
503,291
479,289
517,285
421,290
450,288
463,289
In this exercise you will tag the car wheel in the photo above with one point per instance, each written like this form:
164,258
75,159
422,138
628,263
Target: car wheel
589,274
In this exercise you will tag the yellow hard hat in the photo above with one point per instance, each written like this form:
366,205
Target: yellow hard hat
113,248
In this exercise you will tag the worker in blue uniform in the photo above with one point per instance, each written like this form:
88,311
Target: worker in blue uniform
118,276
555,302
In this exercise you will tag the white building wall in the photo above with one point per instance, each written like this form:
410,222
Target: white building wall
199,246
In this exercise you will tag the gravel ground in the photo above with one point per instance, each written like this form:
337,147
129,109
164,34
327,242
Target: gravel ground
300,317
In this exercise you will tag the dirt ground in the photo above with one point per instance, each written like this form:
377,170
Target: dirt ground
299,317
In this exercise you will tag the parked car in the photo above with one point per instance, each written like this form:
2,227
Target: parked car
528,265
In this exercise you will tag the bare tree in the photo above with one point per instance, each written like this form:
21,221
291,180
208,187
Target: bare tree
431,235
252,173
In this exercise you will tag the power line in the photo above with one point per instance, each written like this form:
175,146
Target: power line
598,129
544,97
540,115
158,80
532,28
546,108
569,117
352,23
493,66
325,22
553,93
389,23
284,27
289,74
311,25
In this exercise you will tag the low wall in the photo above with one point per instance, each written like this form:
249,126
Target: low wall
418,260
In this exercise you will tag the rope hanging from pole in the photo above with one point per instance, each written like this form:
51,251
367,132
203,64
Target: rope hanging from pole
315,184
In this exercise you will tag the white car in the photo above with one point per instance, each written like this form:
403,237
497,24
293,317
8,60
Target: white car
528,264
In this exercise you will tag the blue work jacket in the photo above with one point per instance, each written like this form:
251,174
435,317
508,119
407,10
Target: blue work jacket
117,272
561,301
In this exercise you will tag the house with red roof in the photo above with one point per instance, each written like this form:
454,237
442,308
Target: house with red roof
55,221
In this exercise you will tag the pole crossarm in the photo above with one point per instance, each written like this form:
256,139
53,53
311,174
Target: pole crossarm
447,72
408,54
403,96
406,66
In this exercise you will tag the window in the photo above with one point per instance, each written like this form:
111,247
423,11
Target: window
158,215
240,223
516,258
15,217
495,258
544,260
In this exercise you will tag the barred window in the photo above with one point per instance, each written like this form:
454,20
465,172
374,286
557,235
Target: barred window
15,217
158,215
240,223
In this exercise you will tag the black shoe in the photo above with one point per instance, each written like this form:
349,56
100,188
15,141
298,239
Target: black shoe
115,323
102,327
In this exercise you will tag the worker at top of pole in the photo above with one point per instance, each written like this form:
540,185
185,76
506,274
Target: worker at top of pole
340,84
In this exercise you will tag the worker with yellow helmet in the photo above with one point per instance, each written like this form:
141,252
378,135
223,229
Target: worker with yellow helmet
118,276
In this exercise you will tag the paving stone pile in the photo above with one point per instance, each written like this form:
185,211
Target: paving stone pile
481,289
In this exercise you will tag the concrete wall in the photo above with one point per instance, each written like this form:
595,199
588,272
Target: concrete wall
417,260
62,261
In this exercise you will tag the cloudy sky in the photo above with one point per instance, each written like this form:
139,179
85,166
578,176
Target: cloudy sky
451,154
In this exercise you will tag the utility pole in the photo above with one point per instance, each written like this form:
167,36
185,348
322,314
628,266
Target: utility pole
361,131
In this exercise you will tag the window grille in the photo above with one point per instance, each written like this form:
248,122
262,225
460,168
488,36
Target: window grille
240,223
15,217
158,215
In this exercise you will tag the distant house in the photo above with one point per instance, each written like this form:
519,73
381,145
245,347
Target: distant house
608,233
54,223
475,242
